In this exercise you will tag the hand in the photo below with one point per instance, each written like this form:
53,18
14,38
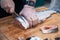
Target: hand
8,5
29,13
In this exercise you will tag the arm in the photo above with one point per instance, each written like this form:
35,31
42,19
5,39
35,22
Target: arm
34,1
29,13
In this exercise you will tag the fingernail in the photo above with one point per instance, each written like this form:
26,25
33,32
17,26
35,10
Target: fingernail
11,11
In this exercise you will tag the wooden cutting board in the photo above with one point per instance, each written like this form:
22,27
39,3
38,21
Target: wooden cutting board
9,31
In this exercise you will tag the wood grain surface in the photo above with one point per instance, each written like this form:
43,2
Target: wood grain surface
10,31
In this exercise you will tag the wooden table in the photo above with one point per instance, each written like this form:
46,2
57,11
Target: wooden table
9,31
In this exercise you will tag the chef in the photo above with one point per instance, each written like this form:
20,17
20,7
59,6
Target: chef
26,8
22,7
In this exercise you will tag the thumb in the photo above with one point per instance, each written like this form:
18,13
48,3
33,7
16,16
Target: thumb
21,12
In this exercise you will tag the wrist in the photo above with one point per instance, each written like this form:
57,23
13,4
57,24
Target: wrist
27,6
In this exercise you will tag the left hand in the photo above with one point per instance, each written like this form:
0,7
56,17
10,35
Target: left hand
30,14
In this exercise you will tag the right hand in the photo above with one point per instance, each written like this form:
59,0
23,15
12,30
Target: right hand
8,5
